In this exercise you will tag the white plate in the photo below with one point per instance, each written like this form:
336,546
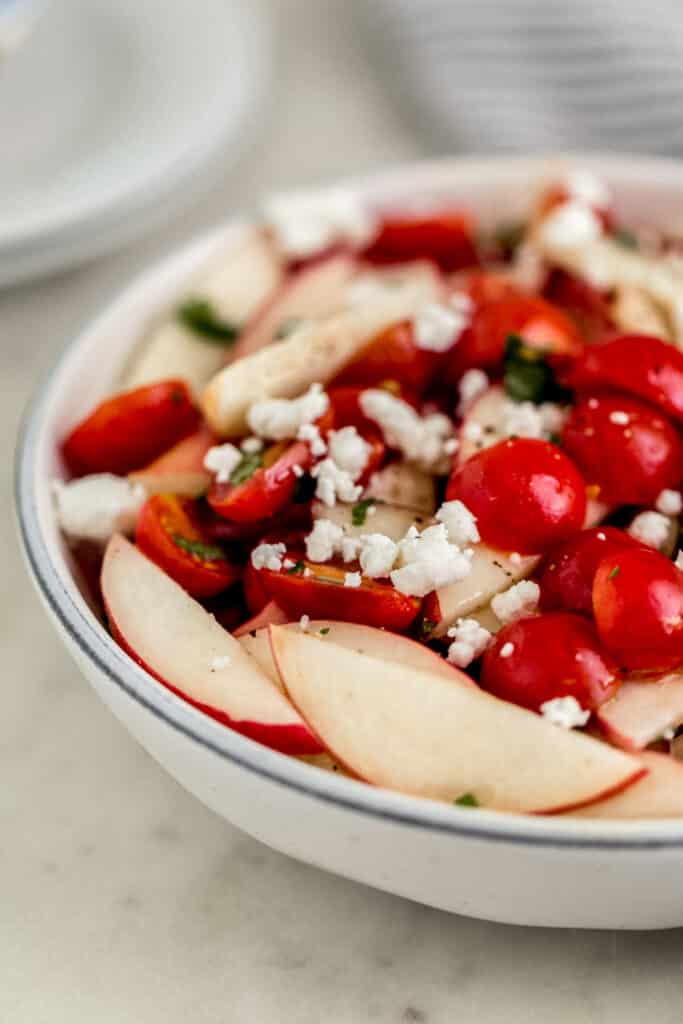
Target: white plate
112,107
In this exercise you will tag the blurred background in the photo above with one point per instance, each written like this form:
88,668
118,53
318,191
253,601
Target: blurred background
126,128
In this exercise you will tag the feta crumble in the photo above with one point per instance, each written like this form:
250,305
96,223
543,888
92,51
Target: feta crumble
507,650
306,222
470,640
565,712
669,503
304,623
473,383
587,188
524,419
96,506
278,419
220,662
377,555
311,434
350,549
518,600
324,541
428,561
333,483
437,326
570,225
421,439
297,470
268,556
349,450
651,528
223,460
252,445
352,579
460,524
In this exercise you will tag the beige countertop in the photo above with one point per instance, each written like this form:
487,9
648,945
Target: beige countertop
124,900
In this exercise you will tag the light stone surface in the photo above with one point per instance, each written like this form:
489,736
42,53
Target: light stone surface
124,900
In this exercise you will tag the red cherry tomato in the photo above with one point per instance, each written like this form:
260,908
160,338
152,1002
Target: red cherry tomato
446,236
638,606
131,429
526,494
584,304
566,577
322,595
638,364
554,655
268,491
255,594
392,355
168,532
536,321
625,447
345,404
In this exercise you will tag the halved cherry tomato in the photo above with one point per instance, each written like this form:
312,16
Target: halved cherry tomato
445,236
638,364
566,577
526,494
168,532
255,595
345,403
547,656
393,354
131,429
638,607
625,447
581,301
537,322
322,595
270,488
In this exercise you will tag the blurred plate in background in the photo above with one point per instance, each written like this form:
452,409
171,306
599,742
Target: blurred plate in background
112,107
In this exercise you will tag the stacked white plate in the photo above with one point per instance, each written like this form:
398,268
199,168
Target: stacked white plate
109,110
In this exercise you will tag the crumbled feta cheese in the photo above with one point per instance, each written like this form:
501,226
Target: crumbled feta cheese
349,450
220,662
377,555
352,579
252,445
280,418
333,483
451,446
420,438
350,549
306,222
473,431
565,712
310,433
651,528
459,522
586,188
519,599
304,623
288,563
679,560
96,506
268,556
507,650
570,225
428,561
619,417
437,326
297,470
522,419
669,503
470,640
324,541
222,460
473,383
553,417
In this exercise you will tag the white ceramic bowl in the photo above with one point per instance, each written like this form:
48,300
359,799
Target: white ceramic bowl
486,864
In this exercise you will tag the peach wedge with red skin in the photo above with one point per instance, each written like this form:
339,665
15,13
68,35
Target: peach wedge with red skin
642,711
179,643
421,734
658,795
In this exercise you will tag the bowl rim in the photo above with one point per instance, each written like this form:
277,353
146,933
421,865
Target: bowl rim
89,637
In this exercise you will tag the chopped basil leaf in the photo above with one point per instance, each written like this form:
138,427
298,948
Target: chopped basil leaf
296,568
359,512
466,800
622,236
208,552
615,572
528,375
199,315
508,237
427,626
246,467
324,631
288,327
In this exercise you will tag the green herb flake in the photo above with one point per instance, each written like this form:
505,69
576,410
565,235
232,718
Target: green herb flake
614,572
359,512
324,631
466,800
207,552
427,626
508,237
287,327
199,316
246,467
626,238
528,376
295,569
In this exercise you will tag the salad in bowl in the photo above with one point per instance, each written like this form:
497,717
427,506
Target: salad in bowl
400,495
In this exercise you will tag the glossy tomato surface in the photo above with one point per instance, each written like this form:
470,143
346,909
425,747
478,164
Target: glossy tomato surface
168,531
392,355
268,490
557,654
131,429
445,236
625,447
526,494
638,607
586,305
567,574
